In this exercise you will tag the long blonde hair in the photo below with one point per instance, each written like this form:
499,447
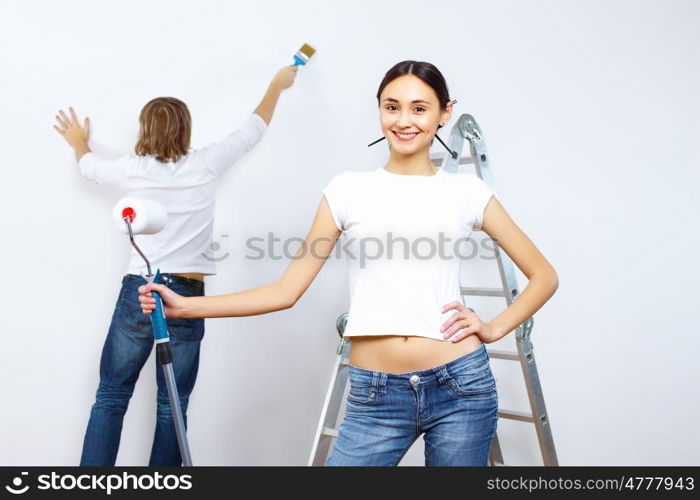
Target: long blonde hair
165,127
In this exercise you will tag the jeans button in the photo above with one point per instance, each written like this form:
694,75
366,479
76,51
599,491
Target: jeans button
415,379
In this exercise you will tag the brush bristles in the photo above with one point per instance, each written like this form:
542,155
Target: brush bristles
307,50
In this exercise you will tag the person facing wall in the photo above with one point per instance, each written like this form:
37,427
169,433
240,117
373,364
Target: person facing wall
165,169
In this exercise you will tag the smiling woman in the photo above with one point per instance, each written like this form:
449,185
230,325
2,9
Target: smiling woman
418,363
405,135
432,96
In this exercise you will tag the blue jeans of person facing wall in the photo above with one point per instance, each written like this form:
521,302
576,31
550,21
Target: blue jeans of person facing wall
128,345
454,404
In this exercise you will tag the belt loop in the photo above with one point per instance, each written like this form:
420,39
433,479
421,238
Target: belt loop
379,381
442,374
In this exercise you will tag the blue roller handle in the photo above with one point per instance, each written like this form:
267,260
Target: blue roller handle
160,326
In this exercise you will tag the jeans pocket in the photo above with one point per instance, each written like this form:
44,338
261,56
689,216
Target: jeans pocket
188,329
363,394
473,383
129,316
474,367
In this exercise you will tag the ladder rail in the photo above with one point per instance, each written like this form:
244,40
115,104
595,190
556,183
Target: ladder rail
326,430
467,129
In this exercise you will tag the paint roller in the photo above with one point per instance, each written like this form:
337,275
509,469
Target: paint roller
143,216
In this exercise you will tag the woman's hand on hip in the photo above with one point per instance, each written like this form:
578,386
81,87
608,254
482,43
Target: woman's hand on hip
173,303
465,322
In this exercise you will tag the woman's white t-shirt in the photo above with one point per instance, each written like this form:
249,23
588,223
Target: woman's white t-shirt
403,237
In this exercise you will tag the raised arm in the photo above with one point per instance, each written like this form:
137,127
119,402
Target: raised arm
282,79
282,293
220,155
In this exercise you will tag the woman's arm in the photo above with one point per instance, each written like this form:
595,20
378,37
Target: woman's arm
543,282
542,278
283,79
283,293
219,156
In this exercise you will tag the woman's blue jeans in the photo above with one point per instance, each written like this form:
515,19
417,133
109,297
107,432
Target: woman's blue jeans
455,405
128,345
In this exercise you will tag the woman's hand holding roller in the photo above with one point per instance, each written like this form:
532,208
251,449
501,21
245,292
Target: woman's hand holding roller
173,303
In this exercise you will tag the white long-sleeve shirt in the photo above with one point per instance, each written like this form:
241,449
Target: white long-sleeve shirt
186,189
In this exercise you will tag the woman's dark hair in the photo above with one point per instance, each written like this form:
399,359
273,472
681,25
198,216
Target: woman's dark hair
423,70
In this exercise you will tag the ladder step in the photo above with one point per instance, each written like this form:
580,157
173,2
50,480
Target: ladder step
439,159
328,431
345,362
510,355
516,415
484,292
509,414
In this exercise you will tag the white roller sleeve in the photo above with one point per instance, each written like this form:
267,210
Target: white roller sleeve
148,216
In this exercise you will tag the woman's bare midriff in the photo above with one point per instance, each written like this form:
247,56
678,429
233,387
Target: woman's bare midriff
402,354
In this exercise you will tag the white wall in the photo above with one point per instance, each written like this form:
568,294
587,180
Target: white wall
590,113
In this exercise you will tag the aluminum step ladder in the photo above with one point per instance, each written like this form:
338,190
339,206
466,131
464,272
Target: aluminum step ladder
466,129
